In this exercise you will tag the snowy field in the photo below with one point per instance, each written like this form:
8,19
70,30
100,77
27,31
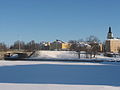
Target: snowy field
68,55
38,75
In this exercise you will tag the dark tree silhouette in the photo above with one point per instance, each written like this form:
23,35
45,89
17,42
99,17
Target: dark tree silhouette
94,42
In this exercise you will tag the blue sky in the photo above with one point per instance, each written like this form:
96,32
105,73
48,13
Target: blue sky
48,20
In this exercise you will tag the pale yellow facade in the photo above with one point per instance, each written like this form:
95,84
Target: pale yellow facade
65,46
112,45
59,46
100,47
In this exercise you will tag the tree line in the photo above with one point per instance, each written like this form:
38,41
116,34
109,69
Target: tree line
21,45
90,46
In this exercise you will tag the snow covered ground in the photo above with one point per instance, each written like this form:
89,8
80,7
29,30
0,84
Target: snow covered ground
41,75
67,55
55,55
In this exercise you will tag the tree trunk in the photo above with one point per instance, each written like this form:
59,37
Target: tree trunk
86,54
79,55
94,54
90,55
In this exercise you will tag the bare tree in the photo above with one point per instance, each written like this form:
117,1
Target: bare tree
32,45
88,51
94,48
76,46
19,45
92,39
94,42
73,45
3,47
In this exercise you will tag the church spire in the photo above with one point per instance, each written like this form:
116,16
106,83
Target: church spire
110,30
110,35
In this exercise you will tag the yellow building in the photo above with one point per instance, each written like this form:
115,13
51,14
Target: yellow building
112,45
100,47
65,46
59,45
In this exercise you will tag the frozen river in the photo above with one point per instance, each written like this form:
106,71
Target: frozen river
41,75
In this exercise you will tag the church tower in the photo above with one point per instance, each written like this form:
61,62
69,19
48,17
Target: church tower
110,35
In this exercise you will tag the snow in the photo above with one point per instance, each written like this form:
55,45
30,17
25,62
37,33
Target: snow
41,75
99,57
55,55
68,55
54,87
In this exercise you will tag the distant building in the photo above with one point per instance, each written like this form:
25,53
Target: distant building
45,45
112,44
100,47
59,45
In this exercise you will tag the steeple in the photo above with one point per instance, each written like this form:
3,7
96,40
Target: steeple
109,30
110,35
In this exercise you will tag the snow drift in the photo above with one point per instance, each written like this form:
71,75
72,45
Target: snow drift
55,55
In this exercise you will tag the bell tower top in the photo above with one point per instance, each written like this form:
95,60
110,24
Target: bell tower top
110,30
110,35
